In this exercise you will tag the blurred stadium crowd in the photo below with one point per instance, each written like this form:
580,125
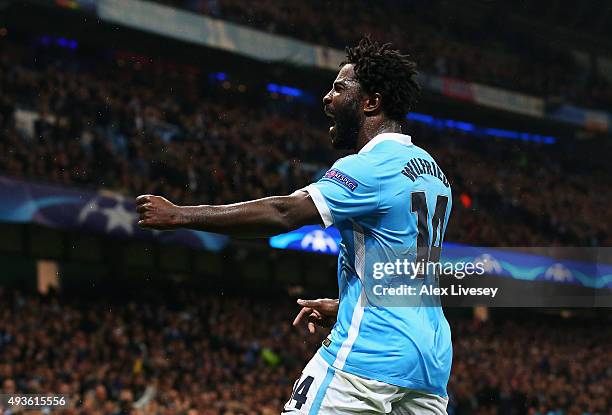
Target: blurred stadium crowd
506,57
110,124
209,355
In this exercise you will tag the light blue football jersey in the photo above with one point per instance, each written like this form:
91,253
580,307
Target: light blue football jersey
389,199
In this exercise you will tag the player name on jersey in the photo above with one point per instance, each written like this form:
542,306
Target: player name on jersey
418,166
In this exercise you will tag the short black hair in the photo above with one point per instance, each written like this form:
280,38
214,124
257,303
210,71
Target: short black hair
380,69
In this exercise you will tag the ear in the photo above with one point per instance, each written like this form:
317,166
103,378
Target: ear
372,104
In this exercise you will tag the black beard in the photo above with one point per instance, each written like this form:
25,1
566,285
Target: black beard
345,132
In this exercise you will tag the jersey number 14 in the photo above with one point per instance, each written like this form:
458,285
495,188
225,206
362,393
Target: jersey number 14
429,250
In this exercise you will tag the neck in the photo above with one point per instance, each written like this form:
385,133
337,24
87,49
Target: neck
374,126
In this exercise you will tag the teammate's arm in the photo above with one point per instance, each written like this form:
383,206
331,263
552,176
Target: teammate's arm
255,218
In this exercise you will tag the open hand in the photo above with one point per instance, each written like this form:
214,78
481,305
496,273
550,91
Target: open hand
157,212
322,312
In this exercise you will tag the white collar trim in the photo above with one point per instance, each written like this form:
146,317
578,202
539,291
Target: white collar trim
400,138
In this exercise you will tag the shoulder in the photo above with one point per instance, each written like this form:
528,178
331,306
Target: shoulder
357,165
417,151
355,172
353,161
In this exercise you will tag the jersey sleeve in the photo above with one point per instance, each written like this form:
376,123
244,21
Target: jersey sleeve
346,191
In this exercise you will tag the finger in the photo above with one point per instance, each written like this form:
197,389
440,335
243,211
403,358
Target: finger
312,328
308,303
144,223
300,315
316,320
143,199
142,208
316,314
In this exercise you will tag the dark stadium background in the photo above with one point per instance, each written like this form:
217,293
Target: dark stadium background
133,323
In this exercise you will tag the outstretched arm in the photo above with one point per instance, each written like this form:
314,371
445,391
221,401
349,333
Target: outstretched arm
255,218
